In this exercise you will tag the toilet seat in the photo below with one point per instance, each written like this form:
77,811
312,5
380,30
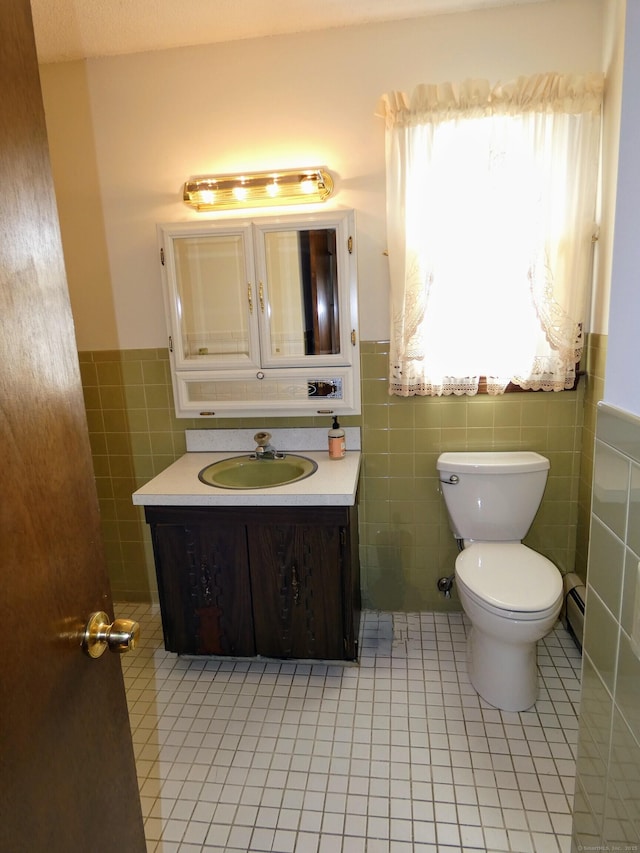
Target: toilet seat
510,576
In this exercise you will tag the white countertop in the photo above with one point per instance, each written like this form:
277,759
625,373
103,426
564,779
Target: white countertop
334,483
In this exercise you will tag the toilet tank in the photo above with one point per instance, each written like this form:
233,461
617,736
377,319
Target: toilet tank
492,496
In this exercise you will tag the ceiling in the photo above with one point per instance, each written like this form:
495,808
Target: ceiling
80,29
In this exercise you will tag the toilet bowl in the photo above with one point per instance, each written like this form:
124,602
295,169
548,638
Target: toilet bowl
507,617
511,595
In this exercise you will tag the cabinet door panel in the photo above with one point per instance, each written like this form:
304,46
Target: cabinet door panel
296,579
211,296
205,593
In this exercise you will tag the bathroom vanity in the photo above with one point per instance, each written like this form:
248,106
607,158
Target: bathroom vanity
270,572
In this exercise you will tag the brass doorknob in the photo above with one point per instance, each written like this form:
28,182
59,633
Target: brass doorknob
119,636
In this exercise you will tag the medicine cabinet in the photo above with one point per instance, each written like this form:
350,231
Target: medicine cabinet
262,315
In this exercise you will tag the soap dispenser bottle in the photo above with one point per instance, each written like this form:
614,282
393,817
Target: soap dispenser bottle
337,445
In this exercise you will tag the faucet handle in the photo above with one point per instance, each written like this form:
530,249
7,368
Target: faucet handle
262,438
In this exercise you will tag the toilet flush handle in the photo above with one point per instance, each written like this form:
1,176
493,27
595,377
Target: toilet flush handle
453,479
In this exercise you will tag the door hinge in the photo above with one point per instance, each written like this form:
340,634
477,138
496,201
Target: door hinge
162,256
350,245
343,536
170,344
353,337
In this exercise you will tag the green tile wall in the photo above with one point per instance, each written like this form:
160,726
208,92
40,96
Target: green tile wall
406,544
593,393
606,804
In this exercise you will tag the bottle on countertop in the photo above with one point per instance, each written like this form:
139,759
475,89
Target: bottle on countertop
337,444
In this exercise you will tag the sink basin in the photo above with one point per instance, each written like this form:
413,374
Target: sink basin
245,472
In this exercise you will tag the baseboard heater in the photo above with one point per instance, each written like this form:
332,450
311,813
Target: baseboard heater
575,593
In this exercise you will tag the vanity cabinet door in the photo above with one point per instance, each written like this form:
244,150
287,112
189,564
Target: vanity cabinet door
297,583
203,582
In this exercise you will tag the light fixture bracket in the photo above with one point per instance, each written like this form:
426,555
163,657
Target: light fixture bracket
258,189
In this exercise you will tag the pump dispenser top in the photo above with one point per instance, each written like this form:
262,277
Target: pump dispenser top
337,445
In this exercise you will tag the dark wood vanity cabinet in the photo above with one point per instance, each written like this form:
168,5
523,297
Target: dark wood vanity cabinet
279,582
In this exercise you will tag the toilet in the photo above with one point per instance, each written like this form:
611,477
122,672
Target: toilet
511,594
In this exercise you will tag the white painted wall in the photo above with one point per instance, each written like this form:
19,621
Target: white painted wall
126,131
613,59
622,385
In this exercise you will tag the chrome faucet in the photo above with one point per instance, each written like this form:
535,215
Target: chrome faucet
264,449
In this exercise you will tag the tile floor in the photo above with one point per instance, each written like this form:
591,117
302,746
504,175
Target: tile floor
396,754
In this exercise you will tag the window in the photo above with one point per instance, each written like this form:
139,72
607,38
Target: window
491,196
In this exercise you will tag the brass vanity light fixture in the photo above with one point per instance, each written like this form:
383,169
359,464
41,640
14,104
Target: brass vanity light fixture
296,186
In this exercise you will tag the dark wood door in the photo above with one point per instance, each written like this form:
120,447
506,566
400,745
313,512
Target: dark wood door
203,581
296,579
67,773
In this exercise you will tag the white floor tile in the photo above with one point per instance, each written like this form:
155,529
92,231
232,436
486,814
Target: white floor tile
398,753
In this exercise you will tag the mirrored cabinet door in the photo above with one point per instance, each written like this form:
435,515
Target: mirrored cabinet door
211,297
306,292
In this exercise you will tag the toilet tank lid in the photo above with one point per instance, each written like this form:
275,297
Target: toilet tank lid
492,462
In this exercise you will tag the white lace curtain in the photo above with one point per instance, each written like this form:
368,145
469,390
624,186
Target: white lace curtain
491,196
